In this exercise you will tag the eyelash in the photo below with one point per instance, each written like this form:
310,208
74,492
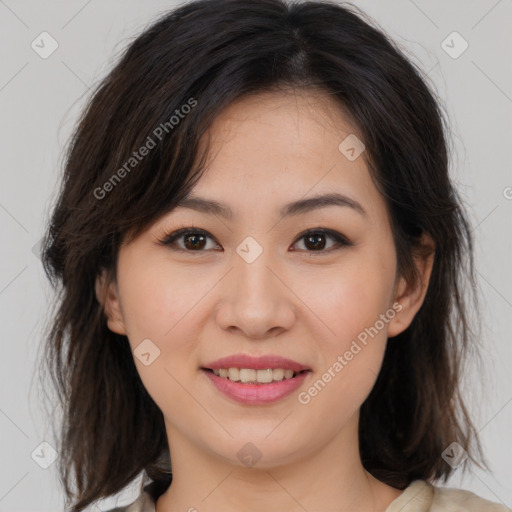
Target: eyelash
341,241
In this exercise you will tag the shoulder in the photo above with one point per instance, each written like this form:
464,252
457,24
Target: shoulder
421,496
144,503
461,500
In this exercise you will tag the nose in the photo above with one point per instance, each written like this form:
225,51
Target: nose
256,300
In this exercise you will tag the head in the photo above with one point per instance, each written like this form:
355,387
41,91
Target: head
287,103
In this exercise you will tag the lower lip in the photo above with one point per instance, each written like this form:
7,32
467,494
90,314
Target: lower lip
256,394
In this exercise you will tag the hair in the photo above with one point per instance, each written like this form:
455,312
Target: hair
165,90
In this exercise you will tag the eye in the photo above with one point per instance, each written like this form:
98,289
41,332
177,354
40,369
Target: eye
196,240
315,239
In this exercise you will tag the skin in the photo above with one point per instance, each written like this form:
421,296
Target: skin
307,305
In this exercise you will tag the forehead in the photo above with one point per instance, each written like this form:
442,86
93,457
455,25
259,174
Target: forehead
278,147
302,121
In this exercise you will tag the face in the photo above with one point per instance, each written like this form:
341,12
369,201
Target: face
316,284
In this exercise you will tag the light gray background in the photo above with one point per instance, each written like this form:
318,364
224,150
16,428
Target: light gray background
41,98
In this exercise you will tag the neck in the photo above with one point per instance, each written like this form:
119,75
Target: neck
330,478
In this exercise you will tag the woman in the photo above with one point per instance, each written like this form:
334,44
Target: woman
262,260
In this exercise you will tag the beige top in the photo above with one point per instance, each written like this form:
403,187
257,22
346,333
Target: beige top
419,496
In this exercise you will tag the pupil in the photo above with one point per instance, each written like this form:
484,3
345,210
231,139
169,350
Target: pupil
316,245
193,237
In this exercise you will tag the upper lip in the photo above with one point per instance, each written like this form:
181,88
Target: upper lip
256,362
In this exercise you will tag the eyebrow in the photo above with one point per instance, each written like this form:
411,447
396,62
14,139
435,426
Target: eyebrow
302,206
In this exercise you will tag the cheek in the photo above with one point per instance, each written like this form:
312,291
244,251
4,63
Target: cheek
351,358
350,297
353,305
158,301
161,305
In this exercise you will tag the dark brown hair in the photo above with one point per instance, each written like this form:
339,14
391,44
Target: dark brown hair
168,87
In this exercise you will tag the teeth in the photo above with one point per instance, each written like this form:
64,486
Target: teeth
233,374
249,375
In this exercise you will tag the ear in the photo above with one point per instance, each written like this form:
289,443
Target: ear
409,295
107,294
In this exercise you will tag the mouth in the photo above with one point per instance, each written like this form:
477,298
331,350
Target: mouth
256,379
